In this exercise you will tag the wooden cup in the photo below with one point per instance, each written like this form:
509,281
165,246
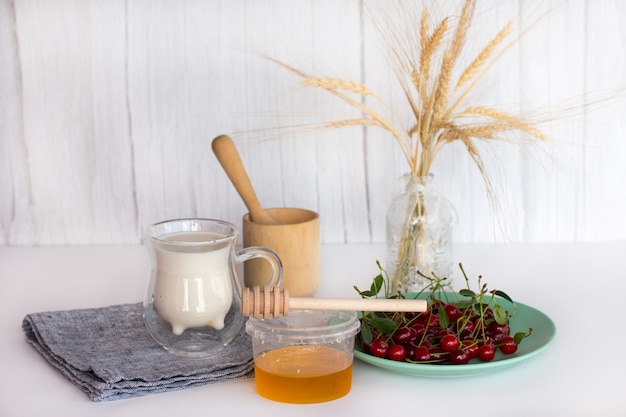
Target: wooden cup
297,243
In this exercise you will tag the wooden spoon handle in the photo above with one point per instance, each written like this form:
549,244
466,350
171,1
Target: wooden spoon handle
272,301
227,155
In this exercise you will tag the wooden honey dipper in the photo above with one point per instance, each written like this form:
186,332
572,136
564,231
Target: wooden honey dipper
272,301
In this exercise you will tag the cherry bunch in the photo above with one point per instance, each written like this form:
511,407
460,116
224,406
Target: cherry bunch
457,326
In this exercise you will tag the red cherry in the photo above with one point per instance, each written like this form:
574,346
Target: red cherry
379,348
488,341
396,353
410,350
404,335
426,343
459,357
419,327
466,334
508,345
449,343
486,353
471,348
444,332
421,354
498,331
436,353
432,321
497,327
454,313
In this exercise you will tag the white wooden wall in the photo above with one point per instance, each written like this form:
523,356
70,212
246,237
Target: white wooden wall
108,109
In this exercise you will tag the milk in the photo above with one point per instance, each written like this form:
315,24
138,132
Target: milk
193,285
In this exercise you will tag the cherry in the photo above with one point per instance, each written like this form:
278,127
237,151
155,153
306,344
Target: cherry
469,324
449,343
459,357
404,335
497,335
471,348
424,314
487,341
432,321
396,353
454,313
466,334
379,348
508,345
410,350
426,343
486,353
444,332
421,354
436,353
429,337
419,327
497,327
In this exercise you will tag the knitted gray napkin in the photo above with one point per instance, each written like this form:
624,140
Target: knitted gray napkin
109,354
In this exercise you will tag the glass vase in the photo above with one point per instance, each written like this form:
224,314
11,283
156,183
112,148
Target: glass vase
419,235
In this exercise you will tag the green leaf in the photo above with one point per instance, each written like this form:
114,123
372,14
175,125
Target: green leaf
377,284
366,294
503,295
444,320
467,293
499,313
519,336
464,304
368,315
366,333
478,306
383,324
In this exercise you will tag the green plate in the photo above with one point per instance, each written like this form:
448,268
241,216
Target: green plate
525,317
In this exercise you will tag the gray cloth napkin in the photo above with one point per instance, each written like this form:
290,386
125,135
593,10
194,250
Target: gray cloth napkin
109,354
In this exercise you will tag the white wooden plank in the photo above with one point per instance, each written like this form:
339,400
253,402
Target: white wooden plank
56,42
112,187
15,192
604,170
342,180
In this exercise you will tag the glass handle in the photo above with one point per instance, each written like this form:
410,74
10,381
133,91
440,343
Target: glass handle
270,256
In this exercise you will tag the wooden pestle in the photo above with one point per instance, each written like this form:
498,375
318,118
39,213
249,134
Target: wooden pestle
228,157
273,302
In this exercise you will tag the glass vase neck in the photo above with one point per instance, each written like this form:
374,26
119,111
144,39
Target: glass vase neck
420,179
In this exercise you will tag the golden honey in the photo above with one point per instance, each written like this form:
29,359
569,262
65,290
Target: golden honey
303,374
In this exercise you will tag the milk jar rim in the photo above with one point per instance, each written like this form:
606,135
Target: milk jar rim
160,232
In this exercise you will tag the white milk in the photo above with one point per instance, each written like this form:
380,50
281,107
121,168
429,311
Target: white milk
193,287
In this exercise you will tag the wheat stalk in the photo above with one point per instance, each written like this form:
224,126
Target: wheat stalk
482,57
428,47
336,84
363,121
505,121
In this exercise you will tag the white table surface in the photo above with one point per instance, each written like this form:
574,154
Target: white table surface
582,287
